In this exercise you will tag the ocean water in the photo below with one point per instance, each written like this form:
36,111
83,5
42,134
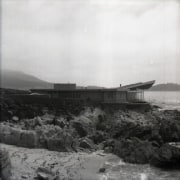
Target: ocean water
164,99
126,171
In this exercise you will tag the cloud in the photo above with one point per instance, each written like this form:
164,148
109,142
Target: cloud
92,42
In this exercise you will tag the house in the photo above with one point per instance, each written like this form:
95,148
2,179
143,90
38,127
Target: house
132,93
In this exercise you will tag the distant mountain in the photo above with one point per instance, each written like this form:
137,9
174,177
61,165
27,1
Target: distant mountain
20,80
166,87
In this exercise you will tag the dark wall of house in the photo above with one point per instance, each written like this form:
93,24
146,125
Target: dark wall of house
110,96
93,96
64,86
121,96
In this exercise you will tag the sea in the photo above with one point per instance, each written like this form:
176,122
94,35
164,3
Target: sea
126,171
164,99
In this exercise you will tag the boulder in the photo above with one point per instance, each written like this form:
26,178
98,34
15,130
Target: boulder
102,170
38,121
56,145
134,150
61,144
50,136
108,145
28,139
29,124
5,165
108,149
101,126
168,156
45,174
86,144
60,122
9,135
127,129
24,176
47,118
80,128
10,113
42,176
32,123
155,136
101,122
83,125
98,137
15,118
169,125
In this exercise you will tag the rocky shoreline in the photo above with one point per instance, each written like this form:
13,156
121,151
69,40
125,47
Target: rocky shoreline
136,136
36,164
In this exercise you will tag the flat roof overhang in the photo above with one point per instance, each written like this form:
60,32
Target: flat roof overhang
143,86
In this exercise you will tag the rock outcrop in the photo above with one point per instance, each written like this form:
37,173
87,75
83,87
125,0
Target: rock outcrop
15,136
134,150
5,165
168,156
134,135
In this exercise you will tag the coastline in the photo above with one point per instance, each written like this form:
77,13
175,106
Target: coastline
136,137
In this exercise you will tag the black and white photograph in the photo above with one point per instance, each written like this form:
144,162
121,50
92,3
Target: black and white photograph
89,90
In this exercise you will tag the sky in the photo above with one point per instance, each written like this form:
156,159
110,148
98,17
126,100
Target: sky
92,42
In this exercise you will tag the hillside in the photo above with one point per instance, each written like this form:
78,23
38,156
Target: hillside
166,87
20,80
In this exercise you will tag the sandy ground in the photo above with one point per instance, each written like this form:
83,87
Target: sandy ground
75,166
80,166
